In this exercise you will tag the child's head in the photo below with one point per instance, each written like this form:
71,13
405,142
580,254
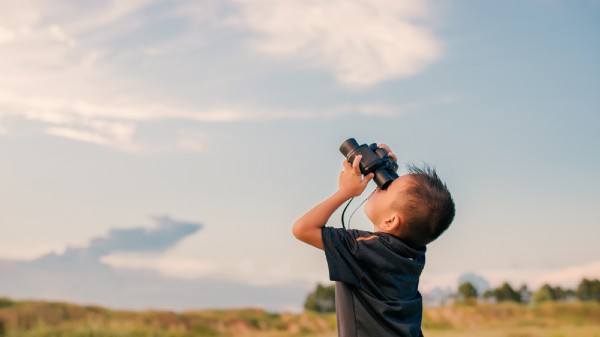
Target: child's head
417,207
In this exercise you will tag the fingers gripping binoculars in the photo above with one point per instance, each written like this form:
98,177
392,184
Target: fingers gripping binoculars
375,160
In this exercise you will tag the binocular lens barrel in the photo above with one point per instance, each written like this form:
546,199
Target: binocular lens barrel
351,149
348,146
383,178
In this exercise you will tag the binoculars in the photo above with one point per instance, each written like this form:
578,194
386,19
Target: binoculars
375,160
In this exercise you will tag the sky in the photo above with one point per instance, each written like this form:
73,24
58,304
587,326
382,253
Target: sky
174,143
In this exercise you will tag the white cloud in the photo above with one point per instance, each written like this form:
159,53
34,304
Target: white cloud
78,135
6,35
48,77
59,35
363,41
242,270
62,64
570,277
172,267
192,141
91,137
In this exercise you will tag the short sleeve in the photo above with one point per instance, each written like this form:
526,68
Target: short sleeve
341,252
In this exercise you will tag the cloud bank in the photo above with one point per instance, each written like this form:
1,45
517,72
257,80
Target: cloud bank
81,275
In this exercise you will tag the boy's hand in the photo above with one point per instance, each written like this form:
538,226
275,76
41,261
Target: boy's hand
351,182
387,148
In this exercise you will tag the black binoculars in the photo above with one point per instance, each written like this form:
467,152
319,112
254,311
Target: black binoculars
374,160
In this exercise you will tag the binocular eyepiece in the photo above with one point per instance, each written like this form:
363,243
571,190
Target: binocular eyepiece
375,160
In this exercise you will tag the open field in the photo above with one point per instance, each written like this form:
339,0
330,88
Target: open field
49,319
553,319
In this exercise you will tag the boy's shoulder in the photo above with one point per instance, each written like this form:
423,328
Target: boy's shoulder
374,245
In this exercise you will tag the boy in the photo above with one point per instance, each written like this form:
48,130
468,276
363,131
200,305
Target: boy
377,273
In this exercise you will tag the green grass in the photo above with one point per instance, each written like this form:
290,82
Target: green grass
551,319
51,319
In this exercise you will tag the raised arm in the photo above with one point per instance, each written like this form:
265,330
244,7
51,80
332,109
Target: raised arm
351,184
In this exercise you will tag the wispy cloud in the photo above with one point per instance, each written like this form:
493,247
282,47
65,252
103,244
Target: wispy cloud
67,65
363,42
244,270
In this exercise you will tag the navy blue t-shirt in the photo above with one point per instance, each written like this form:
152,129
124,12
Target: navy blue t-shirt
377,276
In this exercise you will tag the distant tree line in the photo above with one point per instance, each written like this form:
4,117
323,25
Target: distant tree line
587,290
322,299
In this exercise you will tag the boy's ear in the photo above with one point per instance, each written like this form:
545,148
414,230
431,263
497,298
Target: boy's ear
392,223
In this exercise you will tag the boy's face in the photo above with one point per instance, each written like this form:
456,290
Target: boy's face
380,203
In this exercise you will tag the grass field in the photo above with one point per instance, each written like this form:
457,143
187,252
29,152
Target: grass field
49,319
558,319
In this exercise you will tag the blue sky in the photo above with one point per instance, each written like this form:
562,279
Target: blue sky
229,115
